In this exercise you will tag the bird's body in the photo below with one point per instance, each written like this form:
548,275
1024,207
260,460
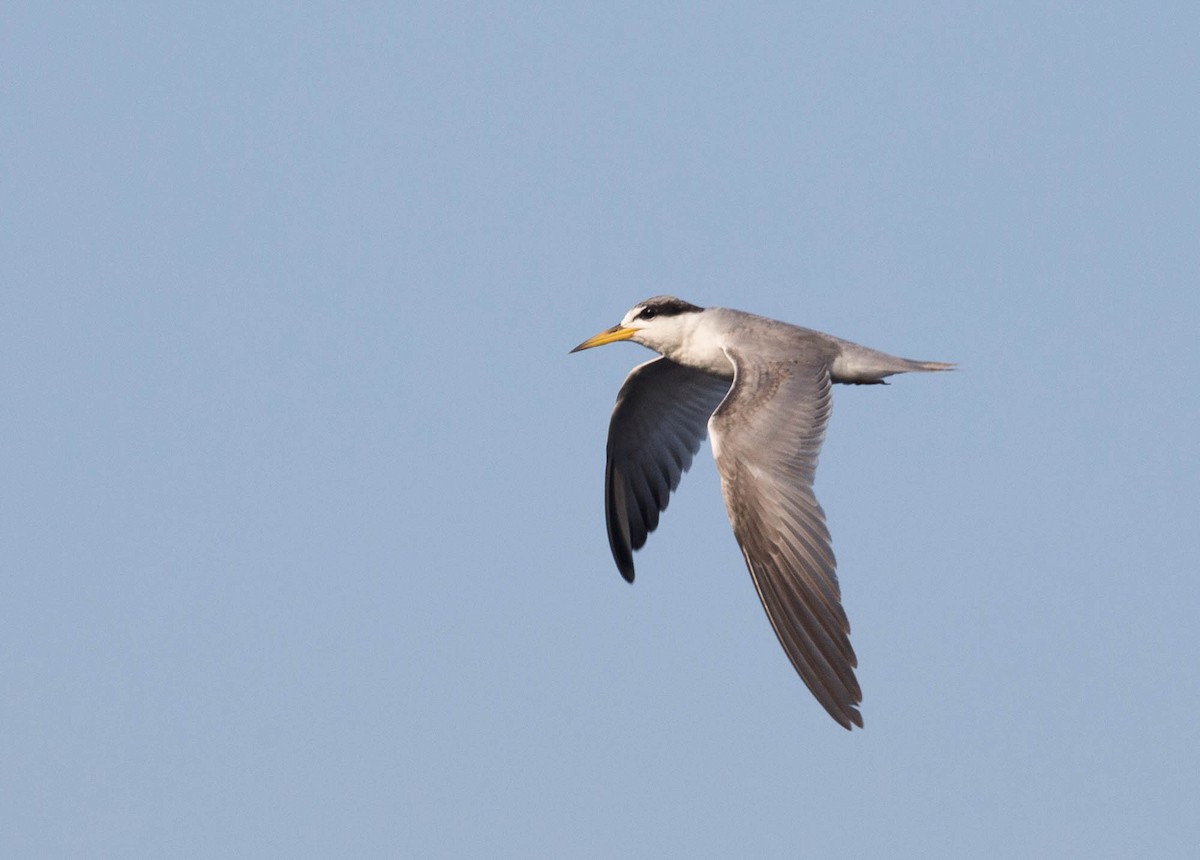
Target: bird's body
761,390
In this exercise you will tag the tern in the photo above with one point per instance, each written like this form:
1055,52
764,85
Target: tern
760,389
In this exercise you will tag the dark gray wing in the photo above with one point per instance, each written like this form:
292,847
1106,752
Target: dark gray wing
657,426
766,436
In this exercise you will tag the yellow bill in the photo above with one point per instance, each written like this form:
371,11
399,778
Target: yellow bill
609,335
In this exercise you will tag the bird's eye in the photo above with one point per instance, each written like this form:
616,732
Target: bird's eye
648,314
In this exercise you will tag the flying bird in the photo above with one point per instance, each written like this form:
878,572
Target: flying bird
760,388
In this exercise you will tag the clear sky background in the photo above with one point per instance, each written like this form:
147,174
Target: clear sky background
301,525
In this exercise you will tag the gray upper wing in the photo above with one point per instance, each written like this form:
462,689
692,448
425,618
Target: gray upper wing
766,436
657,426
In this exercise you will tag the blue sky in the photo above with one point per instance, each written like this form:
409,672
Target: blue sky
301,523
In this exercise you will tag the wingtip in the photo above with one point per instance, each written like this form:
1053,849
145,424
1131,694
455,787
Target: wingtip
622,556
848,720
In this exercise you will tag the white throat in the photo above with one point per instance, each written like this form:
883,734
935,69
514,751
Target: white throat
693,340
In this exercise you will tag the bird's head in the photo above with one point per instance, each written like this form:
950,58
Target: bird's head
661,323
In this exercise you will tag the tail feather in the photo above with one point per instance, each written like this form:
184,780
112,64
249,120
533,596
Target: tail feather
934,365
862,366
